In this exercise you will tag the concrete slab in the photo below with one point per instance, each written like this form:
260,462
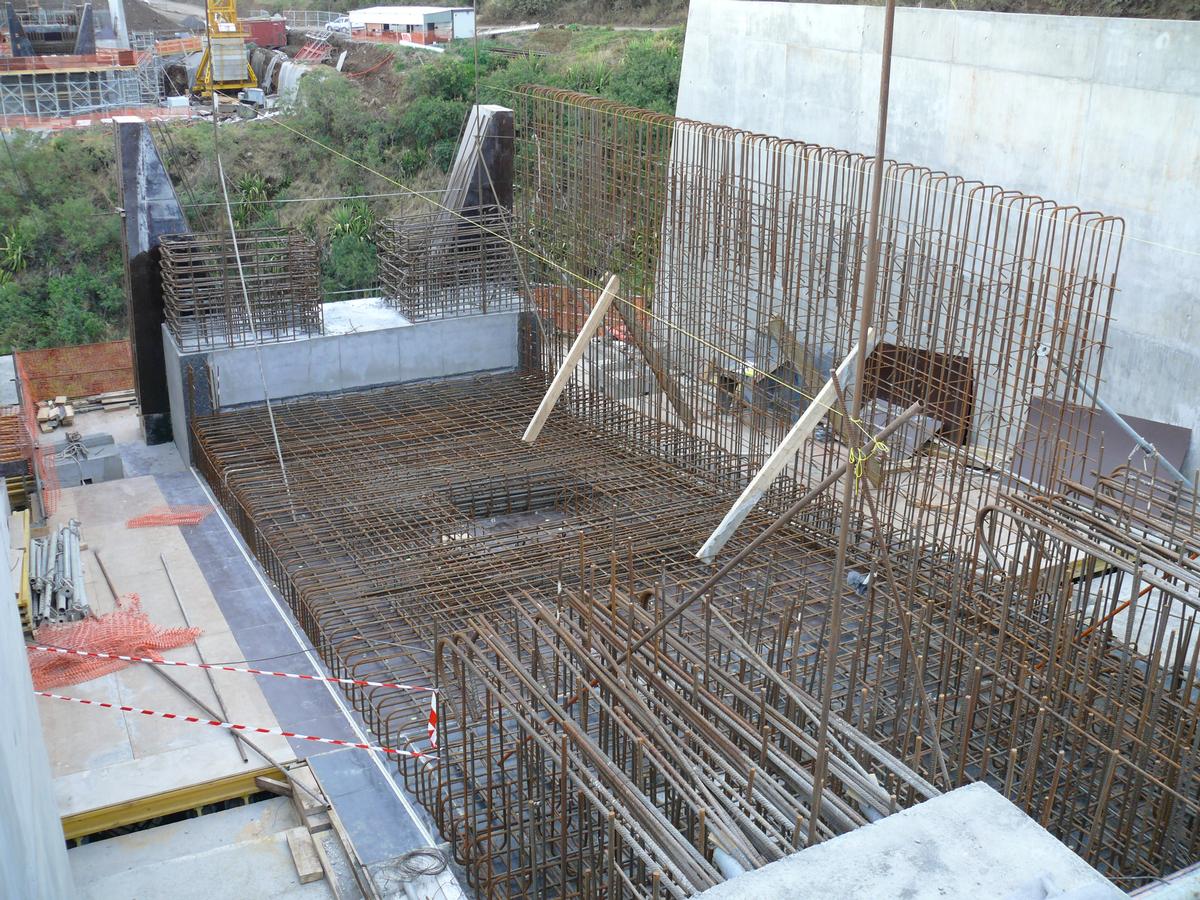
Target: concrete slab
235,853
126,430
159,845
361,314
970,842
99,757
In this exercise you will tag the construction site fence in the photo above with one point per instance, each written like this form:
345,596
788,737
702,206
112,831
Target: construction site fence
308,18
79,371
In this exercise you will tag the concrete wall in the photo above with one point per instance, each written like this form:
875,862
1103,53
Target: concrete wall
440,348
343,362
1103,113
33,854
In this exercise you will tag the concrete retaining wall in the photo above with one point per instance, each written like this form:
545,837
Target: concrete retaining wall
33,854
441,348
1103,113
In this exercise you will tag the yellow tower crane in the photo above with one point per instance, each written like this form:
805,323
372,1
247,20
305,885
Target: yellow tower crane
224,66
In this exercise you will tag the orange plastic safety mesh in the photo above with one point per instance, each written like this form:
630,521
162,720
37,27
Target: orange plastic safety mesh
75,372
41,457
126,630
171,515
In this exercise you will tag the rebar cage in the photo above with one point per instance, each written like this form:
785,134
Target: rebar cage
446,265
208,283
741,260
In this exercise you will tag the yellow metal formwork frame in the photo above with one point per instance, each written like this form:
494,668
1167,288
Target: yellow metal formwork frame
223,27
166,803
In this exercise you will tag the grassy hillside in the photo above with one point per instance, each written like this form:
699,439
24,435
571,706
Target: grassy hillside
60,255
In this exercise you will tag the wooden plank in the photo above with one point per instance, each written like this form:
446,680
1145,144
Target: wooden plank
154,806
567,369
800,432
304,855
655,361
273,786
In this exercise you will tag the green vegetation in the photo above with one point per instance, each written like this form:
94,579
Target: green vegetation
61,275
60,279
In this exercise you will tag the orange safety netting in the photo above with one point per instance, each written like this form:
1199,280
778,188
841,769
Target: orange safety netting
171,515
126,630
42,458
74,372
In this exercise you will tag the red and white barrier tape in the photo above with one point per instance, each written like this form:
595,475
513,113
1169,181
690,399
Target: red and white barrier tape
191,665
216,723
432,728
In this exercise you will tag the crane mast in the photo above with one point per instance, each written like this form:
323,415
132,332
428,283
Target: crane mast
224,65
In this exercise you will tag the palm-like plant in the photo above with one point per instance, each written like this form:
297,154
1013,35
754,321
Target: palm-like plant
352,219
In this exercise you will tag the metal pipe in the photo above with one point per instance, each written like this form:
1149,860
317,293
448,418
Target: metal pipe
1143,444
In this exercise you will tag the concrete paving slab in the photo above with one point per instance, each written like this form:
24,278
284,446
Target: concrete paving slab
84,742
159,845
970,842
100,757
236,853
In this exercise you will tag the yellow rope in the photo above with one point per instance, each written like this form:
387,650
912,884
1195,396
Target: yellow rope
858,459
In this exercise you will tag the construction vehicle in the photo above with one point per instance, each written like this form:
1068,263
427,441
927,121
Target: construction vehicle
224,66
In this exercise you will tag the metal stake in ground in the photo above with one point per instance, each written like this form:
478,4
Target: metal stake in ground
200,653
866,318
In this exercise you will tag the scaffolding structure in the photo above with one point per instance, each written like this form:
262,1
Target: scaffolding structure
41,89
149,67
974,600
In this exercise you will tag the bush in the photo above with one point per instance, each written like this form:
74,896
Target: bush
431,119
443,154
650,76
412,161
449,78
349,264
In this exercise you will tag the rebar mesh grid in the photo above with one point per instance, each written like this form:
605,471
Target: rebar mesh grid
983,635
441,266
203,296
607,776
417,515
741,258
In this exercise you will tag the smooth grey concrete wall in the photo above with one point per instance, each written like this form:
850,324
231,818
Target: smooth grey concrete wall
33,854
171,358
177,365
1102,113
442,348
436,349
